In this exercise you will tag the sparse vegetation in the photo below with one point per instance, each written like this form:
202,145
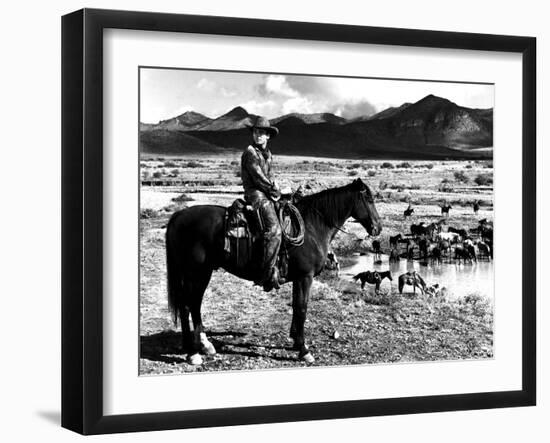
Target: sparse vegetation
372,328
461,177
484,179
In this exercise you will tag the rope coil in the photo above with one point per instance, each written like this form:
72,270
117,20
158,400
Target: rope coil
292,224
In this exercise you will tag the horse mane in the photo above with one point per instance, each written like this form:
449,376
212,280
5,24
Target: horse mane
326,203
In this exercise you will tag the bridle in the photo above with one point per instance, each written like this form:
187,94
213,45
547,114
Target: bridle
364,199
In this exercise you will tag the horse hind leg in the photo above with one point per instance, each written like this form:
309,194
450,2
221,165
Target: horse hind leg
194,288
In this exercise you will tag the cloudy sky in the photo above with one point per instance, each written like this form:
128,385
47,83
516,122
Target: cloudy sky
166,93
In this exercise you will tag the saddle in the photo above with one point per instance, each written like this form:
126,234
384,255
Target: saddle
243,233
243,227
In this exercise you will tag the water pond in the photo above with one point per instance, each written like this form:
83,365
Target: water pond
459,279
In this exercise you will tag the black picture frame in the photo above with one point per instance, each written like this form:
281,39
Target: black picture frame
82,218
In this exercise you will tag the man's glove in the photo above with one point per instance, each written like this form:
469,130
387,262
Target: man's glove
275,194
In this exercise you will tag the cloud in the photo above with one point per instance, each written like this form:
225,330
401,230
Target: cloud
352,110
307,94
298,104
276,86
206,85
228,92
267,108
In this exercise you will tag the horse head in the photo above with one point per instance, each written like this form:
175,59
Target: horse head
364,210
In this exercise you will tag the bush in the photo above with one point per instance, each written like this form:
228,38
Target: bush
170,164
404,165
430,166
382,185
193,164
484,179
182,198
468,166
352,173
461,177
371,173
386,165
148,213
157,174
175,172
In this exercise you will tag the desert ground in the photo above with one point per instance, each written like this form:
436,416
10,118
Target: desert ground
346,325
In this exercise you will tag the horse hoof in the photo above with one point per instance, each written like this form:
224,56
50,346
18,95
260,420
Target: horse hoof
308,358
194,359
207,347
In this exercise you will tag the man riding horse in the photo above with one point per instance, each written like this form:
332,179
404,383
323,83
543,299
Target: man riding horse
260,190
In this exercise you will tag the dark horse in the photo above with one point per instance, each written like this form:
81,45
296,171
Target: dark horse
373,278
195,247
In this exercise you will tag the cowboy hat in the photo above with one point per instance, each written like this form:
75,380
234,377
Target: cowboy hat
263,123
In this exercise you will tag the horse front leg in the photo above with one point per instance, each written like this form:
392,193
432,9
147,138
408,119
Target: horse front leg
300,297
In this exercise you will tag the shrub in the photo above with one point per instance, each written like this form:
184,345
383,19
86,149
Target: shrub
371,173
182,198
489,164
461,177
484,179
386,165
404,165
352,173
382,185
234,163
468,166
147,213
175,172
193,164
430,166
157,174
170,164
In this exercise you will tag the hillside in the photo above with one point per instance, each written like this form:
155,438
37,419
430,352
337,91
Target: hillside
432,128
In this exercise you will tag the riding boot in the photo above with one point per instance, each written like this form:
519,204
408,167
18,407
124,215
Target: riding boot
270,278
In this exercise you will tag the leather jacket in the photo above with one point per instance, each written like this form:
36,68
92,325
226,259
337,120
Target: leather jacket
256,174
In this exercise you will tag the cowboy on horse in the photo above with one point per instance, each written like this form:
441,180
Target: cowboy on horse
261,191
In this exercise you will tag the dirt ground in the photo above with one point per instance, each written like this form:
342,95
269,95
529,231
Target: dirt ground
345,325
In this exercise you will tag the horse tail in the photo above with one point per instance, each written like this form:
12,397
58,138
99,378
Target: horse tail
173,274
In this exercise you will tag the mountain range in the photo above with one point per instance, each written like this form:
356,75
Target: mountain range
432,128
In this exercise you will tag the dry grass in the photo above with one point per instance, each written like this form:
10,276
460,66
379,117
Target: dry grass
250,327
